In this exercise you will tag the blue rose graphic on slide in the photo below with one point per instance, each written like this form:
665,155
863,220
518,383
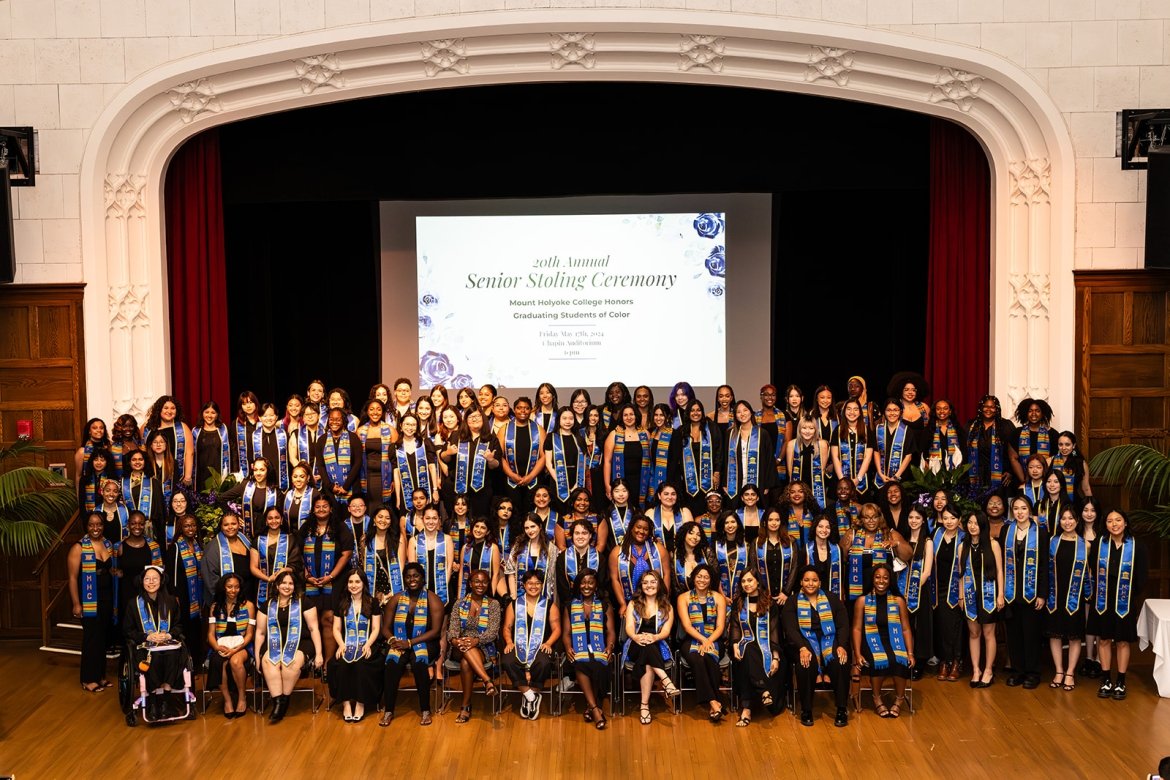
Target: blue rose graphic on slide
709,225
462,381
434,368
716,262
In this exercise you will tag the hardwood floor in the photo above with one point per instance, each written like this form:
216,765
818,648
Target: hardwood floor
50,728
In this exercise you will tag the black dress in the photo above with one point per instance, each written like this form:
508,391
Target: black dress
1110,625
96,630
132,561
1059,622
208,457
358,680
983,567
893,667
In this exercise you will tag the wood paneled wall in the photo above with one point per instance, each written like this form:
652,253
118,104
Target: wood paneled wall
1123,373
42,379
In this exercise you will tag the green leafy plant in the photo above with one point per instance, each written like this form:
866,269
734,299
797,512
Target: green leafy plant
1146,471
34,502
208,509
924,484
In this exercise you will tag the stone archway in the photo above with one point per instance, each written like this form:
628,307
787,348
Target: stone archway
122,175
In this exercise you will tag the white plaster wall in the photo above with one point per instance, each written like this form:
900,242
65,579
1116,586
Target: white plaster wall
62,61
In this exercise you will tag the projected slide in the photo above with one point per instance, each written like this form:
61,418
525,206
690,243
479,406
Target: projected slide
576,300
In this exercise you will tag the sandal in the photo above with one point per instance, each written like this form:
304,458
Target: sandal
744,720
1056,680
464,715
425,720
879,706
896,710
716,715
766,698
669,688
105,684
645,717
588,716
1067,685
95,689
490,688
386,718
600,723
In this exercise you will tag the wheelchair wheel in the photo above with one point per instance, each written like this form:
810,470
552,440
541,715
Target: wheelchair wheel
125,686
131,718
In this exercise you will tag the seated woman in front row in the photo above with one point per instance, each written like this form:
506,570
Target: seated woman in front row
760,669
281,644
649,623
411,623
230,632
471,635
532,628
588,639
816,625
883,644
702,614
153,618
355,672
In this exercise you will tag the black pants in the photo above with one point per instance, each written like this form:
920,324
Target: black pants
708,677
93,648
806,682
949,633
539,669
394,672
751,679
1024,631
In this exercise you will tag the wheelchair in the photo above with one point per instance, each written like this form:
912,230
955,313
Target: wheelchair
139,703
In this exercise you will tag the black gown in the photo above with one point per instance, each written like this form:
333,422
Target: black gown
1059,623
1110,625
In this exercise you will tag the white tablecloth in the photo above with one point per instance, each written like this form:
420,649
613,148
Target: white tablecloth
1154,629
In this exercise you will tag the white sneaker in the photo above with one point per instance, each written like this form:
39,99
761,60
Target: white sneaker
536,707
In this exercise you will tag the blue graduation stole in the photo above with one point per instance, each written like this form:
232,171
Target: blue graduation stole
817,478
464,460
89,575
910,579
357,631
279,562
424,476
656,518
437,579
896,447
756,629
1060,463
834,565
698,477
372,562
419,617
703,619
881,659
995,476
971,606
954,577
281,451
149,624
730,573
191,555
250,524
661,464
662,646
303,443
822,646
852,453
856,554
282,650
561,468
846,516
1043,442
752,472
225,460
592,561
242,449
550,524
321,565
123,522
618,524
1031,563
785,563
1033,493
528,641
304,508
145,496
1124,576
337,458
180,446
510,448
619,460
1077,583
587,633
226,564
595,451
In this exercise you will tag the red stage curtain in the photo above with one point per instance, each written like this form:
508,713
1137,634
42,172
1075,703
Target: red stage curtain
197,277
958,308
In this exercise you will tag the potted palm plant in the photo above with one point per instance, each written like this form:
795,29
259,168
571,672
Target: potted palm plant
34,502
1145,470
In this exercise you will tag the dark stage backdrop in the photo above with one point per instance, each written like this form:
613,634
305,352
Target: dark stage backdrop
849,184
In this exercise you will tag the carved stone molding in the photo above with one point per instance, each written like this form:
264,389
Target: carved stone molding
572,49
1030,295
135,406
123,195
319,70
825,62
194,98
1029,182
701,51
447,54
128,306
957,87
